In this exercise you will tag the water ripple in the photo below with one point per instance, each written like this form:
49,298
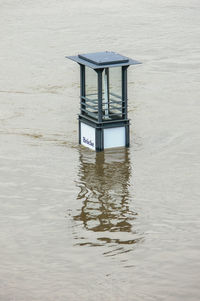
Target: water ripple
104,213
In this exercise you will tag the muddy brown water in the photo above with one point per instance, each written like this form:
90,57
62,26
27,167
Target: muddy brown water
118,225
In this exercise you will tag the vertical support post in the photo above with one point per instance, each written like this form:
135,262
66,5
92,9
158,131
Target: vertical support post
99,72
99,139
127,135
82,89
106,92
124,93
79,131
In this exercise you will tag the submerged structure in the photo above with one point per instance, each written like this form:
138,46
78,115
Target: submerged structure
103,118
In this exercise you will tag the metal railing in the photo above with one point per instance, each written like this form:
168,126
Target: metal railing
113,109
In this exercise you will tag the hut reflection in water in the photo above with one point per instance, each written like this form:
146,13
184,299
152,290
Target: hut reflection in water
107,208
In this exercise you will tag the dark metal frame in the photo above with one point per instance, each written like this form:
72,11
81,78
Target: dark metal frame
124,102
82,88
99,87
92,111
124,93
101,124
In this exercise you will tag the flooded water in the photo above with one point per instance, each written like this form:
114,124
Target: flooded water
118,225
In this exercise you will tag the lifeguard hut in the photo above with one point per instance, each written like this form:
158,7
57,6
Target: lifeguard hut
103,118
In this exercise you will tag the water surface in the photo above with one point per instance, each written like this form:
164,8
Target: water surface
118,225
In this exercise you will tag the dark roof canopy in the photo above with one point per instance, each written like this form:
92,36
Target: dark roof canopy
104,59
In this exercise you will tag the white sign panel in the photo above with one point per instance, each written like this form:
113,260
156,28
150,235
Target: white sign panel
114,137
88,136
